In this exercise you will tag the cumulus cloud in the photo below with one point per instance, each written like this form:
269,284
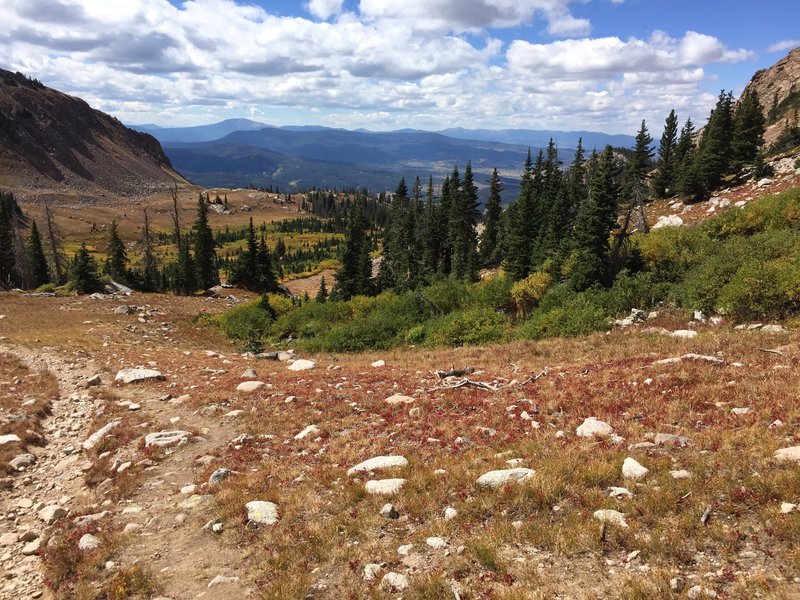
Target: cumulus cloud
784,45
420,63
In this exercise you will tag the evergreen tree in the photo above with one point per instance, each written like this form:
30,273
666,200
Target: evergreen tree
394,256
713,157
205,255
84,276
522,225
491,219
576,181
432,242
464,217
748,130
265,274
116,257
685,176
353,276
322,293
8,261
664,181
596,220
151,280
245,269
40,274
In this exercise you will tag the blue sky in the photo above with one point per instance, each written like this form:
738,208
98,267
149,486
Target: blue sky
384,64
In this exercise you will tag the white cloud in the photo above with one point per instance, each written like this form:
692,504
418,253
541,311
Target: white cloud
416,63
784,45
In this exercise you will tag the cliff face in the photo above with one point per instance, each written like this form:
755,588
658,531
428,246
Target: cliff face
52,142
778,90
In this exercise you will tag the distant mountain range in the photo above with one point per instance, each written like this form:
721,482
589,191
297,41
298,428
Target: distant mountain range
238,152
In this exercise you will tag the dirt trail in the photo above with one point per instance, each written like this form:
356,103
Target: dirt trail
167,538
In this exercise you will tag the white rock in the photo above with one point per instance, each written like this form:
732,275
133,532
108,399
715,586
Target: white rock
7,439
593,427
98,435
450,513
88,542
787,507
377,463
739,411
222,579
311,429
619,492
379,363
189,489
680,474
8,539
764,182
248,387
684,333
613,517
394,582
389,511
399,399
301,364
436,543
632,469
51,514
165,438
249,374
384,487
668,221
371,571
497,479
405,549
138,375
264,513
696,591
791,453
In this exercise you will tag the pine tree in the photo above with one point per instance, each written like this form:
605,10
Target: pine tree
40,273
84,276
521,226
151,280
205,255
664,181
748,130
432,242
322,293
596,220
464,217
713,157
394,257
8,262
353,276
55,246
685,176
116,257
491,219
265,274
183,270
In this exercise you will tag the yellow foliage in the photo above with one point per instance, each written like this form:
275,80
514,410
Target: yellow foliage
527,293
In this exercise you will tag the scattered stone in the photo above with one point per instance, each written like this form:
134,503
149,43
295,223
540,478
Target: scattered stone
613,517
88,542
436,543
51,514
302,364
668,221
194,501
396,399
98,435
311,429
133,407
222,579
219,476
450,513
497,479
389,511
773,329
379,363
94,380
593,427
384,487
415,412
131,527
371,571
791,453
261,512
697,591
8,539
249,374
740,411
128,376
764,182
22,461
248,387
787,507
84,520
668,439
188,489
405,549
687,334
377,463
619,492
165,438
680,474
31,548
394,582
676,584
632,469
7,439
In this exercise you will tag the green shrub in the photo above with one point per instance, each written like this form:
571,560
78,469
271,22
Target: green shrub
528,292
564,313
470,327
447,295
762,290
47,288
493,292
247,323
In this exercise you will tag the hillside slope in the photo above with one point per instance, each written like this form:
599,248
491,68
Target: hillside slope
52,142
778,90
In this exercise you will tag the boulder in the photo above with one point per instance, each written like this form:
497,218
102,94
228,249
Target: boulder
377,463
302,364
9,438
593,427
612,517
310,430
51,514
248,387
389,511
497,479
396,399
219,476
128,376
632,469
394,582
261,512
165,438
22,461
668,439
88,542
791,453
668,221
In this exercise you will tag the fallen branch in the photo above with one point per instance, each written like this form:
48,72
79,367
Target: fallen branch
540,374
454,372
468,382
778,352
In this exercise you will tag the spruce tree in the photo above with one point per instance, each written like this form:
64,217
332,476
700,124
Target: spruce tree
116,257
685,176
464,217
84,276
748,130
491,219
205,255
713,157
40,273
8,261
522,226
596,220
151,280
245,269
353,276
322,292
664,181
265,274
432,242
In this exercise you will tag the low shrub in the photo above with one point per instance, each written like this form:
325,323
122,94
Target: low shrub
471,327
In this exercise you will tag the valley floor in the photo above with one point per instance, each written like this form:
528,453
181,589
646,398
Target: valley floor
713,515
